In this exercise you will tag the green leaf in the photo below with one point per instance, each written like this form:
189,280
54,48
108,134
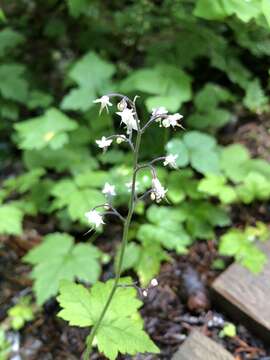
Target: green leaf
177,147
228,330
266,10
240,244
148,266
215,185
219,9
166,229
210,9
203,152
78,201
255,98
9,39
10,220
120,330
254,187
233,157
215,118
24,182
39,99
132,254
13,86
171,86
70,157
49,130
210,96
91,73
58,258
77,7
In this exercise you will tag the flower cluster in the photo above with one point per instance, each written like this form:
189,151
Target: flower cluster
129,118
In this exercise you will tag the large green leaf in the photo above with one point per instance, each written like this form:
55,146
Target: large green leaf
266,10
58,258
240,244
10,220
120,330
49,130
9,39
13,85
171,86
90,73
78,201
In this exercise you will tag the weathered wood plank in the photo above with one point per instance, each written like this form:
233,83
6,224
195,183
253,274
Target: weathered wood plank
248,293
199,347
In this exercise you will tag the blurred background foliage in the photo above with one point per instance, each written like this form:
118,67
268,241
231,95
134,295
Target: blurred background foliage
208,59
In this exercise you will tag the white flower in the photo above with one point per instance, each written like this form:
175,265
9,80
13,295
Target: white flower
159,111
158,191
154,282
104,103
127,117
171,120
109,189
94,218
104,142
170,160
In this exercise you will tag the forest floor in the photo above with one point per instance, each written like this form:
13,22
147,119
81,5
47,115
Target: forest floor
182,300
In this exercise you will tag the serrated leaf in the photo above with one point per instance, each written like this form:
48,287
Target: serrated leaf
266,10
203,152
132,254
210,96
216,185
148,266
219,9
254,187
119,331
10,220
58,258
90,73
241,245
49,130
255,98
78,201
70,157
171,86
13,86
25,181
232,159
215,118
9,39
177,147
77,7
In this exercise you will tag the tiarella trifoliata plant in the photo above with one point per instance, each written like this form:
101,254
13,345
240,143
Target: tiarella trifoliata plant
111,308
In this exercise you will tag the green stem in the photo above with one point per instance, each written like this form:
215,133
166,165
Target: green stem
90,338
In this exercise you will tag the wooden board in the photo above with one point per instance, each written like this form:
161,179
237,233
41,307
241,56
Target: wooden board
248,293
199,347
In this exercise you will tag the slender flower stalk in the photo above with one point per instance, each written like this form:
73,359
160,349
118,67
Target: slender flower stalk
90,338
129,116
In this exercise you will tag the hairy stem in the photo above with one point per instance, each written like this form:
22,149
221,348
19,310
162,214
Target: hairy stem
90,338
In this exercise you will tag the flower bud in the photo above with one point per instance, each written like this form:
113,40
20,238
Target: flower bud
107,207
122,105
154,282
153,196
120,139
145,293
